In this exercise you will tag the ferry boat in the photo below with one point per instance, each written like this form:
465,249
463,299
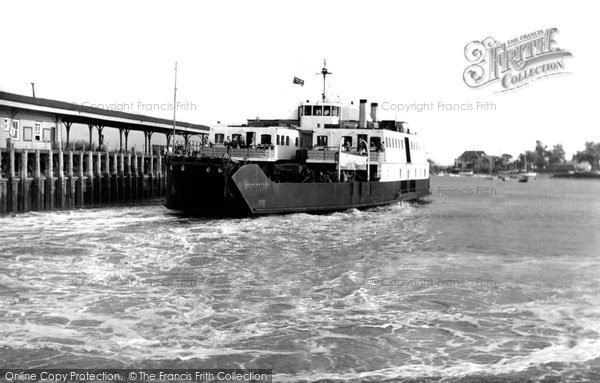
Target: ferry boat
330,157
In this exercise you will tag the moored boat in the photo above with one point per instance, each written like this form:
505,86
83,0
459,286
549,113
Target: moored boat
330,157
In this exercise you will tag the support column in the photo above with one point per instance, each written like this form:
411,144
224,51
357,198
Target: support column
68,128
186,140
150,143
90,127
126,138
100,136
145,142
121,140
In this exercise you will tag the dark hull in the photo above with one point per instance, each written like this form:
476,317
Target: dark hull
248,191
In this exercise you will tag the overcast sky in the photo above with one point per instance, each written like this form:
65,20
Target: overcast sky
237,61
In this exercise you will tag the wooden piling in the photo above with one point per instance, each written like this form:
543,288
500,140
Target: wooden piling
46,180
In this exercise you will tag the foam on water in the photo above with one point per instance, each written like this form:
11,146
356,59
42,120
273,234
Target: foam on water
447,289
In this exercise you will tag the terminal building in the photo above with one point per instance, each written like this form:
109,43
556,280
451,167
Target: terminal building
33,123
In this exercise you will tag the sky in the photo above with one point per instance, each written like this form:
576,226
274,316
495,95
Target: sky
236,60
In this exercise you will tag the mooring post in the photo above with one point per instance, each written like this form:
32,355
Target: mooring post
107,176
13,184
134,181
142,185
90,178
37,189
98,178
70,182
79,182
159,178
127,176
115,178
152,182
25,185
62,189
3,189
50,181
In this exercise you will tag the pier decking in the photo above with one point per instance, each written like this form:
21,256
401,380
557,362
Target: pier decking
54,179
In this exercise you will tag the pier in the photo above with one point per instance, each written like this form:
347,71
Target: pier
36,180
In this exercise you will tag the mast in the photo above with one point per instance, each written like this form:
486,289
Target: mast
324,72
174,107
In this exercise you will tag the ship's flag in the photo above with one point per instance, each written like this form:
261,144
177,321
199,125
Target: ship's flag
298,81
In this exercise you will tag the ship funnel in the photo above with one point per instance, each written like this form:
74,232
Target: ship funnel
362,117
374,111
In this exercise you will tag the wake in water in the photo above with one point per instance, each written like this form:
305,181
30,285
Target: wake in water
405,291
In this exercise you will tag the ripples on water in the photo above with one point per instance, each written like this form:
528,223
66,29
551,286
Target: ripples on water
505,285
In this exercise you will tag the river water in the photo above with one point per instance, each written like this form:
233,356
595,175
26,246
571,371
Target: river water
485,279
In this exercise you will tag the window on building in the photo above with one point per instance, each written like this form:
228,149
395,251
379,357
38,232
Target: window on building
277,141
296,141
321,140
219,138
326,110
37,131
318,110
47,136
307,110
287,140
334,111
265,139
27,133
14,130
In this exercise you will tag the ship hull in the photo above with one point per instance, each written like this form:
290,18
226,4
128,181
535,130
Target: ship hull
248,191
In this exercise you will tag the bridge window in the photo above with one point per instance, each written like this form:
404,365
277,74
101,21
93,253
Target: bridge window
347,140
300,110
321,140
219,138
335,111
287,140
326,110
265,139
318,110
375,142
296,141
277,141
307,110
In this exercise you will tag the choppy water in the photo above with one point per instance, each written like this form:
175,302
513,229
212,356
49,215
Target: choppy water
505,285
